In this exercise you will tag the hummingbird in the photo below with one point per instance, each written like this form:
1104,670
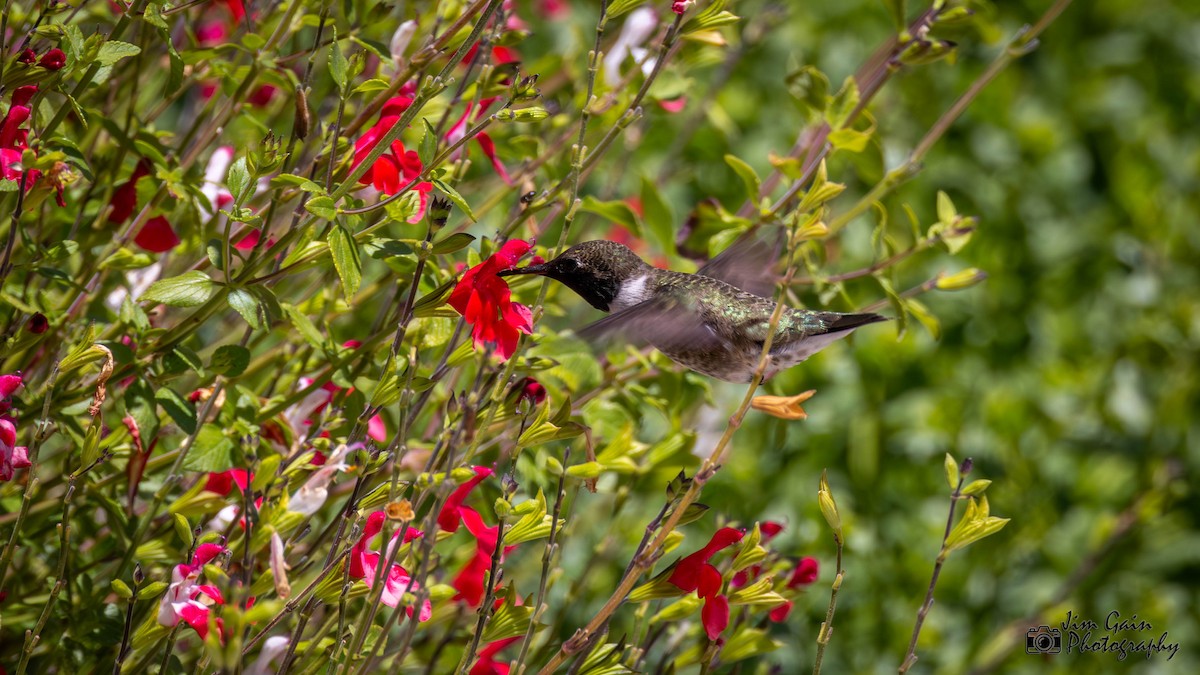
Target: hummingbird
714,321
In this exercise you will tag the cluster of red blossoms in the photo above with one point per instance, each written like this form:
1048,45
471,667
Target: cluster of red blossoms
364,564
485,301
696,573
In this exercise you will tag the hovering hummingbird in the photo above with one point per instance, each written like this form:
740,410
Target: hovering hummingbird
714,321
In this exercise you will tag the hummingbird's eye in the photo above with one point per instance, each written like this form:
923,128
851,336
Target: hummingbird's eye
568,265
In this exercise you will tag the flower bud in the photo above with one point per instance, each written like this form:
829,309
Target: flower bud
521,115
960,280
829,507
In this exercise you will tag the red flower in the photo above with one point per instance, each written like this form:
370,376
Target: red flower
14,139
485,301
681,6
487,664
780,614
250,239
531,391
157,236
54,59
27,57
769,530
221,483
806,572
397,167
673,105
124,198
9,384
694,573
37,324
364,565
450,515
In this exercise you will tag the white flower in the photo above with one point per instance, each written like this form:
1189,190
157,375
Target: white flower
312,495
637,29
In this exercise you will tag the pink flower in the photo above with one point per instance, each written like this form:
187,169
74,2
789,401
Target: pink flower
531,391
673,105
485,141
681,6
695,573
312,495
780,613
9,384
157,236
187,601
485,301
364,565
12,456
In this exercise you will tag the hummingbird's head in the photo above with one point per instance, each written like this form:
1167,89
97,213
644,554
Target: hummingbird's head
594,269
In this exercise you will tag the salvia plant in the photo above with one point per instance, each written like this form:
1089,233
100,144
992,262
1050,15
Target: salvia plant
269,405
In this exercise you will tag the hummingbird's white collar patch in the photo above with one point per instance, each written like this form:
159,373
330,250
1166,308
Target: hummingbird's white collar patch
633,291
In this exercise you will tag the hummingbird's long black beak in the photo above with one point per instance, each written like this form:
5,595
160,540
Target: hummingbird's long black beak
529,269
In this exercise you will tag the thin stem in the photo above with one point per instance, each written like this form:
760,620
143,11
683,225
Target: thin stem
911,657
826,631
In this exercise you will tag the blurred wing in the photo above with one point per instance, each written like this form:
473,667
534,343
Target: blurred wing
665,323
748,263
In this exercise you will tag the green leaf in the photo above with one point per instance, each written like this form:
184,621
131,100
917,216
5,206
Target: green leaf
746,173
142,406
345,259
230,360
189,289
427,150
618,212
338,66
454,242
178,408
306,327
211,452
951,471
321,207
428,304
239,181
247,305
453,196
113,51
850,140
507,622
843,104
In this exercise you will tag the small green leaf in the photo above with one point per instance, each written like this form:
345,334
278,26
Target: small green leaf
211,452
113,51
843,104
182,529
345,259
951,471
747,174
239,181
454,242
230,360
618,212
321,207
306,327
427,150
178,408
338,66
189,289
247,305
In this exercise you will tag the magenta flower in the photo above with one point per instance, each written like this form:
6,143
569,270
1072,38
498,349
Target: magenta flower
364,564
187,601
12,456
157,236
695,573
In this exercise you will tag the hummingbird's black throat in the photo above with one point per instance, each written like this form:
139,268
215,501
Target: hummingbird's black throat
599,292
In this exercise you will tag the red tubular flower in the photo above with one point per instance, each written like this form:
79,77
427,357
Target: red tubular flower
54,59
806,572
397,167
485,141
157,236
780,613
450,515
694,573
14,139
27,57
487,664
221,483
531,391
9,384
124,198
485,301
364,564
770,529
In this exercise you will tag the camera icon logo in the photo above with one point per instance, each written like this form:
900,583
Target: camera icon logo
1043,640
